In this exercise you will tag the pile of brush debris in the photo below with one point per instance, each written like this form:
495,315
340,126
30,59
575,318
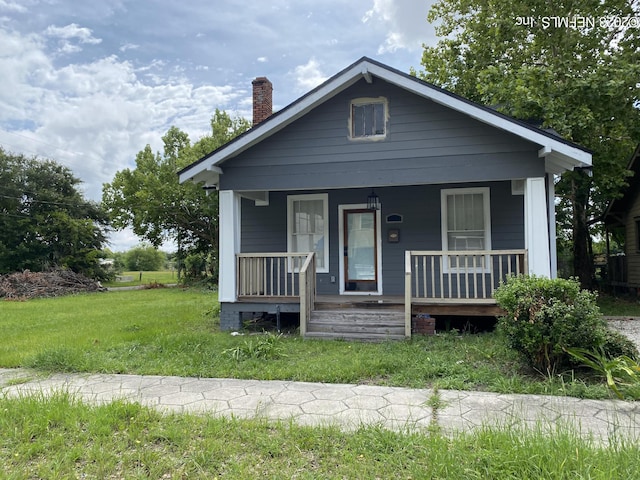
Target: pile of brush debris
26,285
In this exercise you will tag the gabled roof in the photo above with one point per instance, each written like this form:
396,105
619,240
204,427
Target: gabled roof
618,207
559,154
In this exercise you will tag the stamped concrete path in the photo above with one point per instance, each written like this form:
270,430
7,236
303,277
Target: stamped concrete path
349,406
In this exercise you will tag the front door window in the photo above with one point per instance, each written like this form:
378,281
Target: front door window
360,251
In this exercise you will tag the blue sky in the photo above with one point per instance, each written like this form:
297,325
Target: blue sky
89,84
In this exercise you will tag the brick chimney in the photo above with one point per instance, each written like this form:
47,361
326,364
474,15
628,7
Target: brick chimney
262,99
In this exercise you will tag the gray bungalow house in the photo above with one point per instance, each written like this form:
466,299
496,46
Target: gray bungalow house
375,197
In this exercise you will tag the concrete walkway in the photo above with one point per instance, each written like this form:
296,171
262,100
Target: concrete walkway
349,406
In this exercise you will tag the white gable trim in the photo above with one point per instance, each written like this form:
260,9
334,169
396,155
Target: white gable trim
558,155
575,156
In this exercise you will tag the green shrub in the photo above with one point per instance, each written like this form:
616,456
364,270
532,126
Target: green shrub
617,345
545,316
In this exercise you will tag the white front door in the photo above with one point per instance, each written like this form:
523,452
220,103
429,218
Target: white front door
360,247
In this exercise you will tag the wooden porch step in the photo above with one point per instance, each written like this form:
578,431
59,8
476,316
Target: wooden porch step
364,324
357,317
360,305
361,337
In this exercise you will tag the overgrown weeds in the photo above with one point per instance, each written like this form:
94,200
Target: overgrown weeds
621,373
266,347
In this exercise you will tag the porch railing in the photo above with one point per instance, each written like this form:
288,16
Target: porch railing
307,291
469,276
461,275
272,277
266,275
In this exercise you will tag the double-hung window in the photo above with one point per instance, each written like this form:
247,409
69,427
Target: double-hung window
368,118
308,227
466,225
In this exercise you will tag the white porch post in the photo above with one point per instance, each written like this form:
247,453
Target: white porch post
551,205
229,223
536,220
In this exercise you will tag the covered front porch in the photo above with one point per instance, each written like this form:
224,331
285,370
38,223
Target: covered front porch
349,270
435,283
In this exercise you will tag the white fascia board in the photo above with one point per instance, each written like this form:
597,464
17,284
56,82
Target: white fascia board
544,151
204,176
210,175
577,156
557,164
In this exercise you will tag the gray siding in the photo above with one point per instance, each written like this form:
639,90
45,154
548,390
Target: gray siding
425,143
264,229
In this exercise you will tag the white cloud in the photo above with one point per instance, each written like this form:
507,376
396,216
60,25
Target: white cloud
70,37
406,23
8,6
22,63
263,59
123,240
155,64
72,31
95,116
309,75
129,46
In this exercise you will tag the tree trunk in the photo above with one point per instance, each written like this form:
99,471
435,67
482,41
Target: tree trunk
582,264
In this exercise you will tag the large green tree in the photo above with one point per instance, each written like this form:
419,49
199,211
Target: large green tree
573,66
149,198
45,221
144,257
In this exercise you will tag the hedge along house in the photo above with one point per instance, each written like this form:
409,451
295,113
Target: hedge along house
377,196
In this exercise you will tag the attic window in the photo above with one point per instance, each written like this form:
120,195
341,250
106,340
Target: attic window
368,118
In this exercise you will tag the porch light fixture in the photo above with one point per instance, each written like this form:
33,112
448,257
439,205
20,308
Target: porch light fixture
373,201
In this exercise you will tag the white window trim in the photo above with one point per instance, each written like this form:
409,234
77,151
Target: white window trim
486,200
366,101
325,212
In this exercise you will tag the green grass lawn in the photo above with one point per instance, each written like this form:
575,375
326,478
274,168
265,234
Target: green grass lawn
619,306
60,437
145,278
174,332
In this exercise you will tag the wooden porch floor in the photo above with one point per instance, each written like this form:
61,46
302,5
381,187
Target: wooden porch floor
456,307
